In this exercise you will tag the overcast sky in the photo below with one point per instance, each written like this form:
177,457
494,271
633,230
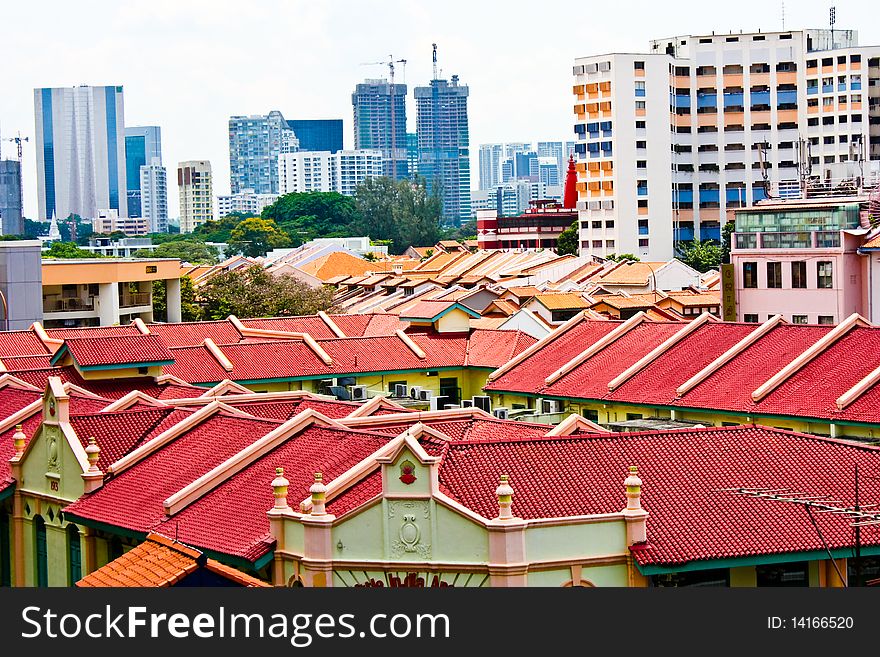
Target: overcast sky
187,65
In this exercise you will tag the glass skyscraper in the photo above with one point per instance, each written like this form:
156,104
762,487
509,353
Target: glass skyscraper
143,144
379,113
255,142
444,159
80,144
318,134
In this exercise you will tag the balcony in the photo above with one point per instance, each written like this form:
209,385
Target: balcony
132,299
55,303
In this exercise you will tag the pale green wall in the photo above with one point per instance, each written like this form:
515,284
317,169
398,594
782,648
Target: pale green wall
596,539
613,575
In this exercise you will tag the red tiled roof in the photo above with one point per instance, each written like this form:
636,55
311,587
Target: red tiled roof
92,332
492,348
126,500
117,350
20,343
193,333
428,309
684,474
27,362
286,409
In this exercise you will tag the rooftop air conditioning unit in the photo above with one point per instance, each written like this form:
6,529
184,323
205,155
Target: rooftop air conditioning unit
400,390
549,406
424,394
501,413
449,407
358,393
438,401
483,402
415,392
467,403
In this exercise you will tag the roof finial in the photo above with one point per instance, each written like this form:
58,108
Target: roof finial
319,495
279,488
504,492
633,489
18,440
634,515
93,454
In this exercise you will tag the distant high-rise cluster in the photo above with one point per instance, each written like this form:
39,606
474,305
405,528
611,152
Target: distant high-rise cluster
323,171
380,123
195,185
255,142
146,178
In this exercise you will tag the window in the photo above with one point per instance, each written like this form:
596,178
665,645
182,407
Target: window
774,274
642,187
640,125
641,144
597,224
42,555
799,274
825,270
750,318
641,164
74,555
640,88
639,66
640,105
783,574
633,416
590,414
826,319
798,319
750,274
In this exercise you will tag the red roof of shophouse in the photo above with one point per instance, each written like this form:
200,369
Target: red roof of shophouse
20,343
116,350
815,390
190,333
110,388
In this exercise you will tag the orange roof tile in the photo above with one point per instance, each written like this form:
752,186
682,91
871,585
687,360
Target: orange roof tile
562,300
637,273
336,264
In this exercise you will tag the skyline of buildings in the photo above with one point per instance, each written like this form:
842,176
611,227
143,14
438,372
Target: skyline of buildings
323,171
255,142
143,144
80,151
154,195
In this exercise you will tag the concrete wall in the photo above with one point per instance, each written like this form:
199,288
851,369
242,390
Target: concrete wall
21,282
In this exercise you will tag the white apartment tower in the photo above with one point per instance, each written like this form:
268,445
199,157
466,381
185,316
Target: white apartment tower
154,195
669,140
196,194
323,171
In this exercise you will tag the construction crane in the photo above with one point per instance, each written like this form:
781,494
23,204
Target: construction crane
390,64
18,139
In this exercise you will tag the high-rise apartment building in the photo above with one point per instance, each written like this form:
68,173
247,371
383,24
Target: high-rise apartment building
669,140
80,144
154,195
246,202
194,182
412,154
380,123
490,165
255,142
11,221
318,134
322,171
444,158
143,144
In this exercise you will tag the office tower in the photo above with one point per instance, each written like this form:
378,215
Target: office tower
670,140
194,182
143,144
444,159
547,171
246,202
80,144
255,142
490,165
10,198
318,134
412,154
154,195
322,171
556,150
380,123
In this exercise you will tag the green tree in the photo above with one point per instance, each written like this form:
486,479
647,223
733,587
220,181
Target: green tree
305,216
403,212
253,292
189,308
68,250
190,251
702,256
623,257
567,243
255,237
726,237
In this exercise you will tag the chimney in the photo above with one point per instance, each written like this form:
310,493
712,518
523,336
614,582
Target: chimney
634,515
279,489
319,494
504,492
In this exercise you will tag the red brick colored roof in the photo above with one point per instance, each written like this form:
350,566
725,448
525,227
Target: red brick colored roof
684,475
193,333
812,391
127,501
116,350
428,309
92,332
110,388
160,562
12,363
20,343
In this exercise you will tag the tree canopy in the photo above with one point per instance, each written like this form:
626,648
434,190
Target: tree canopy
623,257
567,243
68,250
191,251
254,292
255,237
400,211
305,216
189,308
702,256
